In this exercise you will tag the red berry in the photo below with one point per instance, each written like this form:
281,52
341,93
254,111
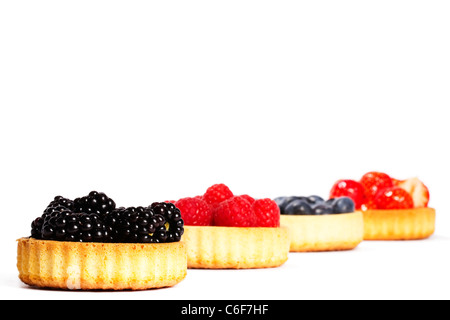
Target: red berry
373,182
349,188
417,189
267,213
248,198
369,204
216,194
195,212
234,212
394,198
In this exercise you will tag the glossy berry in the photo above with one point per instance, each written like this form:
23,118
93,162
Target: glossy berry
53,210
417,189
314,200
283,202
322,209
95,202
70,226
235,212
267,213
373,182
134,224
174,224
369,204
349,188
394,198
61,201
36,228
315,205
343,205
195,212
298,207
160,222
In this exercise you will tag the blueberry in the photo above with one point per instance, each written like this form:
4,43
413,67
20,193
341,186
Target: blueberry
283,202
298,206
315,200
322,208
343,205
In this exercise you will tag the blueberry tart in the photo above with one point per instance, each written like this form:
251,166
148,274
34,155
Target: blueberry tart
318,225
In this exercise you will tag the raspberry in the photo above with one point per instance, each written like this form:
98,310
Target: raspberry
394,198
248,198
267,213
235,212
216,194
195,212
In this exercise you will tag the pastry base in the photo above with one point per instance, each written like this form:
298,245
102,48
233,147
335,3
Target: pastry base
235,248
332,232
100,266
407,224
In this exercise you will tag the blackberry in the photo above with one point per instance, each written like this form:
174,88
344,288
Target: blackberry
95,202
53,210
174,226
160,222
71,226
95,218
136,224
61,201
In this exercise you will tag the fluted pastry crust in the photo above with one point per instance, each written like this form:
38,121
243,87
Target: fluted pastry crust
406,224
94,266
235,248
333,232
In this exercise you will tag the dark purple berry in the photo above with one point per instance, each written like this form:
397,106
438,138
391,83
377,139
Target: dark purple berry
95,202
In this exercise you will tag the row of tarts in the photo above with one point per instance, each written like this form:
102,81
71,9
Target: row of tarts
90,244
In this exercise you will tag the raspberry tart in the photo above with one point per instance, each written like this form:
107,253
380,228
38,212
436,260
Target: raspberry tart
224,231
392,209
89,244
318,225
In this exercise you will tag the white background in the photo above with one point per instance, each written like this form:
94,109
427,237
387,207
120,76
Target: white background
156,100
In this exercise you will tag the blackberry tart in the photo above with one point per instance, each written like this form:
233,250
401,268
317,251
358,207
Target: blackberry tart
89,244
318,225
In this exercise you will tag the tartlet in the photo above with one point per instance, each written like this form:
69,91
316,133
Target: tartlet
334,232
392,209
399,224
89,244
224,231
315,225
100,266
235,247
